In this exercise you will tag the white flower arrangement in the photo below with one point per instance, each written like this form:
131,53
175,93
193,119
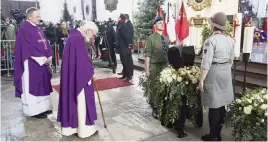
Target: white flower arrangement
247,116
170,75
254,102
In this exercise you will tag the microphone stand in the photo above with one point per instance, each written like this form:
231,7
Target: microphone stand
236,59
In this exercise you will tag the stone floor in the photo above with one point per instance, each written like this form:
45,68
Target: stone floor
127,115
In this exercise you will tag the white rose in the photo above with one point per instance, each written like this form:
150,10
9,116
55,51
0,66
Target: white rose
169,79
262,100
265,96
248,109
258,97
249,100
238,101
179,79
186,82
174,76
266,114
255,104
262,120
264,106
240,108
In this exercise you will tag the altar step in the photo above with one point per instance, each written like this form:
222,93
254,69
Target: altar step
256,74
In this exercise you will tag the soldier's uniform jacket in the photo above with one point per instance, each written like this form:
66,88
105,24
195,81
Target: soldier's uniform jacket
154,48
218,57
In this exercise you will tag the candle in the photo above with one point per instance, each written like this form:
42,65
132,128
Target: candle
237,35
248,39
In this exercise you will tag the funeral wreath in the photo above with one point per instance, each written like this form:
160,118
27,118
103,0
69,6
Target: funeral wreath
172,89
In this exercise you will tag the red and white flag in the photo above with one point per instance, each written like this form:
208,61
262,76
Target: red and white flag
182,24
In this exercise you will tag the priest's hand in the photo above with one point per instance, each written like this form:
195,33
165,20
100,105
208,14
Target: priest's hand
48,62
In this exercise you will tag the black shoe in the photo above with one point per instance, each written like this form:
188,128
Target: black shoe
120,73
208,137
123,77
48,112
40,116
96,133
127,79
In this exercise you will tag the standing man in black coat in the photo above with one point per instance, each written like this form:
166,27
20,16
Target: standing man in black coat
131,37
124,42
111,38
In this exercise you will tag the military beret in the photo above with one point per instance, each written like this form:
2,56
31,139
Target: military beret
157,19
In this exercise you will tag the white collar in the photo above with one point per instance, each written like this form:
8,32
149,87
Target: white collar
31,23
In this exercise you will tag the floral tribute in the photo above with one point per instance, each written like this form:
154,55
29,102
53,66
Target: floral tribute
171,89
247,116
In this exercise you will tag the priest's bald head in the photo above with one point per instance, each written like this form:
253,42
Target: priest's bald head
33,15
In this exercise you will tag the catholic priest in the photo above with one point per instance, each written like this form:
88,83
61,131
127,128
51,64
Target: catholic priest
77,110
32,72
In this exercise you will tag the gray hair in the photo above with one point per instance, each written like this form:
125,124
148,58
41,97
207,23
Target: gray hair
88,25
30,11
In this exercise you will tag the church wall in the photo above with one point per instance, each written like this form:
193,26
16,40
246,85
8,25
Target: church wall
229,7
123,6
53,12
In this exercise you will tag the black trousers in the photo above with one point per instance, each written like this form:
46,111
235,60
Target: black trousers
216,120
127,62
113,57
122,63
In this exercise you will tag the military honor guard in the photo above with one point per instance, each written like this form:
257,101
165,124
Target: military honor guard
156,55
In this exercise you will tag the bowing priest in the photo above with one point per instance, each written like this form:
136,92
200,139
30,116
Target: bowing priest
77,110
32,73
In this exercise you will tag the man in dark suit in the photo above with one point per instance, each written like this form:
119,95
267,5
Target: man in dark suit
111,38
124,41
131,37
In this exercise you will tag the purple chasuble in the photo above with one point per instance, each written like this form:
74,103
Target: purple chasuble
76,72
31,42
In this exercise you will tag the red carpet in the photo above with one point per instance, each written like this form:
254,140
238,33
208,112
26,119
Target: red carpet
104,84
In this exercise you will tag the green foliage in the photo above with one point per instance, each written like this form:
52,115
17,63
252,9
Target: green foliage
168,89
247,116
66,14
207,31
144,17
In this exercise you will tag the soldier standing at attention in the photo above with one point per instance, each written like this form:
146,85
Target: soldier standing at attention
216,78
156,60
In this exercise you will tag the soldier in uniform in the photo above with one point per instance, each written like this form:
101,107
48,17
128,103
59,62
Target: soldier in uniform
156,49
216,78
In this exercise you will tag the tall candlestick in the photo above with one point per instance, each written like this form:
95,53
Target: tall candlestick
237,34
248,39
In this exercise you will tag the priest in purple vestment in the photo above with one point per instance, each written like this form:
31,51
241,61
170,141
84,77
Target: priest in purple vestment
32,73
76,109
